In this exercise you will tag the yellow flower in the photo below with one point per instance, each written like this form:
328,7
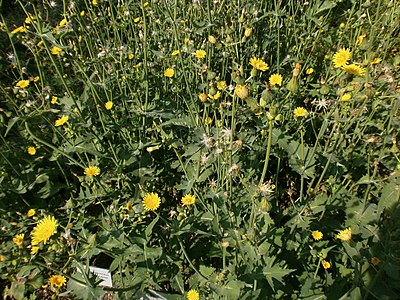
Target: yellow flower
341,58
309,71
34,250
326,264
108,105
22,84
360,40
200,54
259,64
344,235
341,25
375,261
82,13
63,22
19,29
241,91
221,85
61,121
92,171
152,148
175,53
202,97
31,213
345,97
136,20
94,2
186,40
193,295
169,73
354,69
145,4
376,61
299,112
130,56
55,50
212,39
151,201
53,100
36,79
207,121
128,206
317,235
188,200
275,79
18,240
248,31
2,258
40,43
215,96
28,20
44,230
58,280
31,150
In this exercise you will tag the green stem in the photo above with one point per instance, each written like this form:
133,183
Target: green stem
267,154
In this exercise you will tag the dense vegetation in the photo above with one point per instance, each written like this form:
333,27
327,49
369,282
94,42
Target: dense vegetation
200,149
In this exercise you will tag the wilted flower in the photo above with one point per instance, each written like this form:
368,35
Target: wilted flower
344,235
248,31
241,91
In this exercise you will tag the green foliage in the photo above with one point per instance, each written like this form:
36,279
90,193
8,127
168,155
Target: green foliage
248,172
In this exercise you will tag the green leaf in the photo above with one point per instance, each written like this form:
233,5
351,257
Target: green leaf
300,159
149,228
390,197
206,271
272,271
325,6
84,291
10,124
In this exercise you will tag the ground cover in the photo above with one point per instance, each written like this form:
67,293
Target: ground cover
200,149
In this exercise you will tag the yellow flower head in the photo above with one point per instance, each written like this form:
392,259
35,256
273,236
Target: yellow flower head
376,61
108,105
28,20
19,239
202,97
360,40
354,69
193,295
186,40
92,171
341,58
175,53
221,85
241,91
169,73
31,150
344,235
345,97
56,50
259,64
44,230
130,56
19,29
2,258
22,84
188,200
63,22
200,54
309,71
151,201
34,250
129,206
82,13
215,96
299,112
275,79
341,25
317,235
61,121
31,213
94,2
248,31
326,264
53,100
57,281
36,79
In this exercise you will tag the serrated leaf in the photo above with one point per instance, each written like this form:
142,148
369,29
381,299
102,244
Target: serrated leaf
390,197
149,228
206,271
272,271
